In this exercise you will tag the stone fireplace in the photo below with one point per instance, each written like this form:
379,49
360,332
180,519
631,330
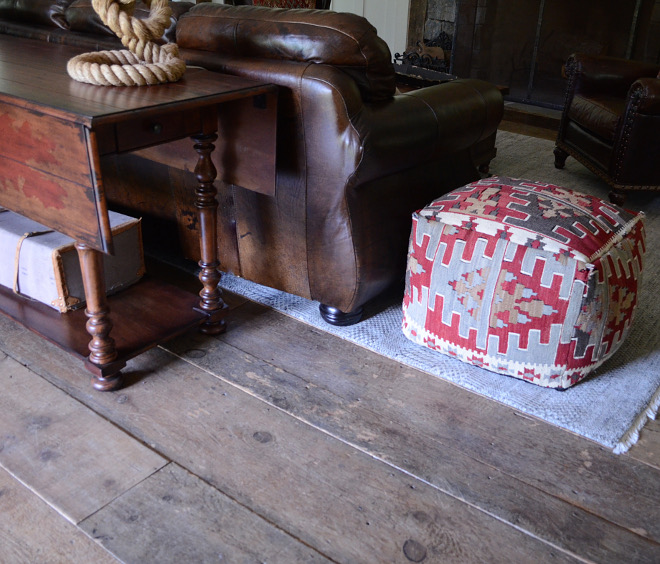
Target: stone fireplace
523,44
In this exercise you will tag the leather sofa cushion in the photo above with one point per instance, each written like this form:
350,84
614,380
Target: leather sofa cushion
343,40
82,17
599,115
41,12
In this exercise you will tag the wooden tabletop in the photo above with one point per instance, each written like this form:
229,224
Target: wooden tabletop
33,75
54,131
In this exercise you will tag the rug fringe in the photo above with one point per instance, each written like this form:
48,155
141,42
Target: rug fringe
632,435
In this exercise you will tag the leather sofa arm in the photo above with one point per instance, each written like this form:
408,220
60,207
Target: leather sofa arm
426,124
344,137
466,111
592,75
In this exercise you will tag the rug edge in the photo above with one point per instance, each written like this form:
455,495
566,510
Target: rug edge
631,436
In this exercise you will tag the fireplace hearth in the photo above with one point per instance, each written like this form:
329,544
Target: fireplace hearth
522,45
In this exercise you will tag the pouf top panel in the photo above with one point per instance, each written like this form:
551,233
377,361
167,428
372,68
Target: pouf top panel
535,214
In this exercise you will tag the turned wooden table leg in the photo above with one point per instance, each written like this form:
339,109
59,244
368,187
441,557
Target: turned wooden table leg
211,301
102,352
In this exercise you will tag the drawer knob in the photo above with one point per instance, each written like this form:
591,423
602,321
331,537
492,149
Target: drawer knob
157,128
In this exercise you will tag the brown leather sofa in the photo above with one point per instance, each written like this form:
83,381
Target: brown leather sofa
319,4
354,159
611,121
71,22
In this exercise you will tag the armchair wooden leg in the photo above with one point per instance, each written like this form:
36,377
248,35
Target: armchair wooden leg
560,157
617,198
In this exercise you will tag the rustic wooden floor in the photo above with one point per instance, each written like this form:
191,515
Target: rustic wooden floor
277,442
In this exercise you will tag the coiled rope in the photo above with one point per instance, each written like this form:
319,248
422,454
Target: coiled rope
145,62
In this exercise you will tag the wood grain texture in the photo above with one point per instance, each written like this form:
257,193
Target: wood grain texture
43,85
44,172
75,460
321,438
55,541
430,428
53,133
146,314
245,150
334,498
173,516
416,21
647,450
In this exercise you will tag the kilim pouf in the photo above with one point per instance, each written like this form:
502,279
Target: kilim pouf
523,278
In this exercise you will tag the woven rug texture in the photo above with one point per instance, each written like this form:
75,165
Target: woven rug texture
610,406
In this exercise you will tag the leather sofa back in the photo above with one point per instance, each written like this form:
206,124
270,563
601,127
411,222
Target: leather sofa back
345,41
39,18
81,16
320,4
43,12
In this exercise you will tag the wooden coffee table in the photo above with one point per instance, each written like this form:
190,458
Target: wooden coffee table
54,135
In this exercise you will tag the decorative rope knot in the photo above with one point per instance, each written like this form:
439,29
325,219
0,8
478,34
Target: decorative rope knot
145,62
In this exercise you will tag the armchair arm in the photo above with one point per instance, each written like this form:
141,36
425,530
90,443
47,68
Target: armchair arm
647,93
636,148
591,75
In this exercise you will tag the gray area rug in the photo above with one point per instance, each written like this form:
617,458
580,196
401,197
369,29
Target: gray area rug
609,407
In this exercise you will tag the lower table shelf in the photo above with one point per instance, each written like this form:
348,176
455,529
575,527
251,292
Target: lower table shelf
144,315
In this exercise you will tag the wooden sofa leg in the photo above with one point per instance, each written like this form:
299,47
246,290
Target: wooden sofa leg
560,157
335,316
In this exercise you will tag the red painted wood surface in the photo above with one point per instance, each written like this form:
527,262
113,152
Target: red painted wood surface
54,132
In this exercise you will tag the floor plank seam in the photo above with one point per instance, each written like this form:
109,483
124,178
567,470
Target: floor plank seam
32,489
65,389
386,462
380,459
555,536
210,485
128,490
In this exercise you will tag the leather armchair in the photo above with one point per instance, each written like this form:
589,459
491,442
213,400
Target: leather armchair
611,122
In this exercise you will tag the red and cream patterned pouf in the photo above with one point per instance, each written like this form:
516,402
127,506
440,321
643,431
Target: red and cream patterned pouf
523,278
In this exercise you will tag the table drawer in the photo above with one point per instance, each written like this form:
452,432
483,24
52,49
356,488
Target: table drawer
156,129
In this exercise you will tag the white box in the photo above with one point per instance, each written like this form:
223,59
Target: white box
42,264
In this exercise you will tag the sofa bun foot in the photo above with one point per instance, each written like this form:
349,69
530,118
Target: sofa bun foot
335,316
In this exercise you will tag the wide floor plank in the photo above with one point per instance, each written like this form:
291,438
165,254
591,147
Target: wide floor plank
173,516
466,445
31,531
338,500
312,389
648,448
73,458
